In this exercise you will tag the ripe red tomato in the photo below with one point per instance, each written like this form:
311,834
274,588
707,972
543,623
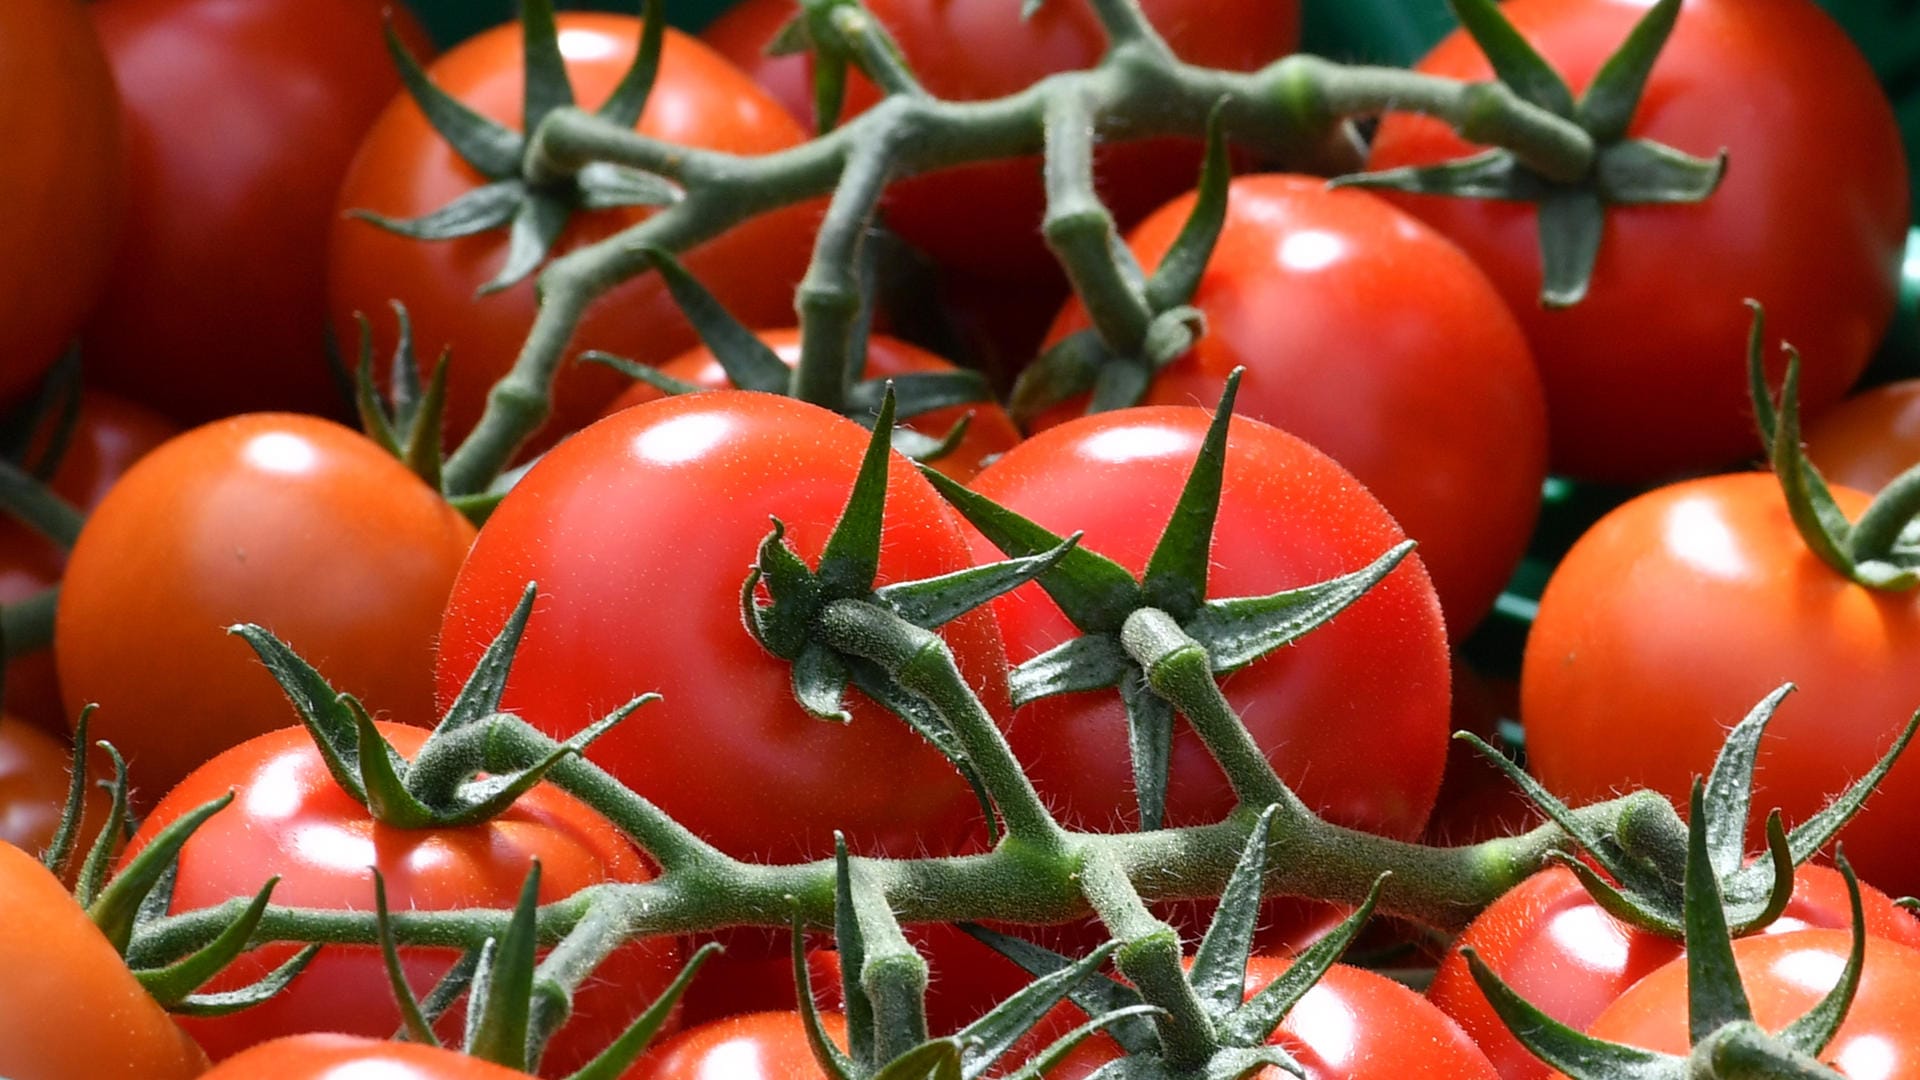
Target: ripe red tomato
108,436
34,774
292,522
405,169
1377,340
214,303
63,189
640,531
1353,1025
1644,377
72,1008
1786,975
990,433
1322,708
290,818
1554,945
1676,613
999,235
758,1046
330,1057
1866,441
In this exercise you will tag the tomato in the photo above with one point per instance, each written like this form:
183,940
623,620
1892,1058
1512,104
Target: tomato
999,234
1866,441
1352,1025
405,169
1554,945
72,1009
63,189
742,34
330,1057
292,522
1645,377
1670,618
1323,708
1786,975
1377,340
290,818
35,771
990,433
214,302
640,531
108,436
758,1046
1477,801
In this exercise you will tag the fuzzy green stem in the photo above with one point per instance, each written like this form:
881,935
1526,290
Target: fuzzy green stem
1179,670
1880,525
829,300
599,932
879,58
1149,956
1081,231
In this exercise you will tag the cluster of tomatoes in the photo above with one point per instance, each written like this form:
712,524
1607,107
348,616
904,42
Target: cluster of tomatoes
219,179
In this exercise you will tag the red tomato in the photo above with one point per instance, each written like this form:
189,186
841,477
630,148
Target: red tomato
1554,945
742,34
1322,708
292,522
1377,340
1645,377
1477,802
290,818
1866,441
1681,609
35,771
999,234
72,1009
640,531
108,436
331,1057
214,302
758,1046
1353,1025
1786,975
991,432
405,169
63,188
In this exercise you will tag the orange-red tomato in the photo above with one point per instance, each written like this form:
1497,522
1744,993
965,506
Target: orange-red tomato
34,775
292,522
335,1057
1866,441
758,1046
405,169
991,432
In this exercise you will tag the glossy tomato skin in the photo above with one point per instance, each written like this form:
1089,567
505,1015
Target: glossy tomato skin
757,1046
1785,975
1867,440
292,522
331,1057
1557,948
640,531
405,169
990,433
742,33
1321,708
66,974
62,193
291,819
1644,378
214,303
1374,338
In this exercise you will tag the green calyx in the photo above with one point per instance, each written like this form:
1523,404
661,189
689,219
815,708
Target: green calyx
1571,207
534,205
1143,657
409,419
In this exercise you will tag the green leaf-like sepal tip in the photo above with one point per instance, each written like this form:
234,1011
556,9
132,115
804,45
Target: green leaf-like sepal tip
500,1034
176,982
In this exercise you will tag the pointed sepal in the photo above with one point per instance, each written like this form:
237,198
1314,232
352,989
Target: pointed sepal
1237,631
177,981
1219,972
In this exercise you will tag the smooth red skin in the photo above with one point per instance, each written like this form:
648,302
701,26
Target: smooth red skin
1352,1025
1678,612
1645,377
71,1008
334,1057
640,531
62,193
214,303
291,522
1321,708
1867,440
404,169
1377,340
1554,945
990,433
1786,975
109,434
757,1046
290,818
998,236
